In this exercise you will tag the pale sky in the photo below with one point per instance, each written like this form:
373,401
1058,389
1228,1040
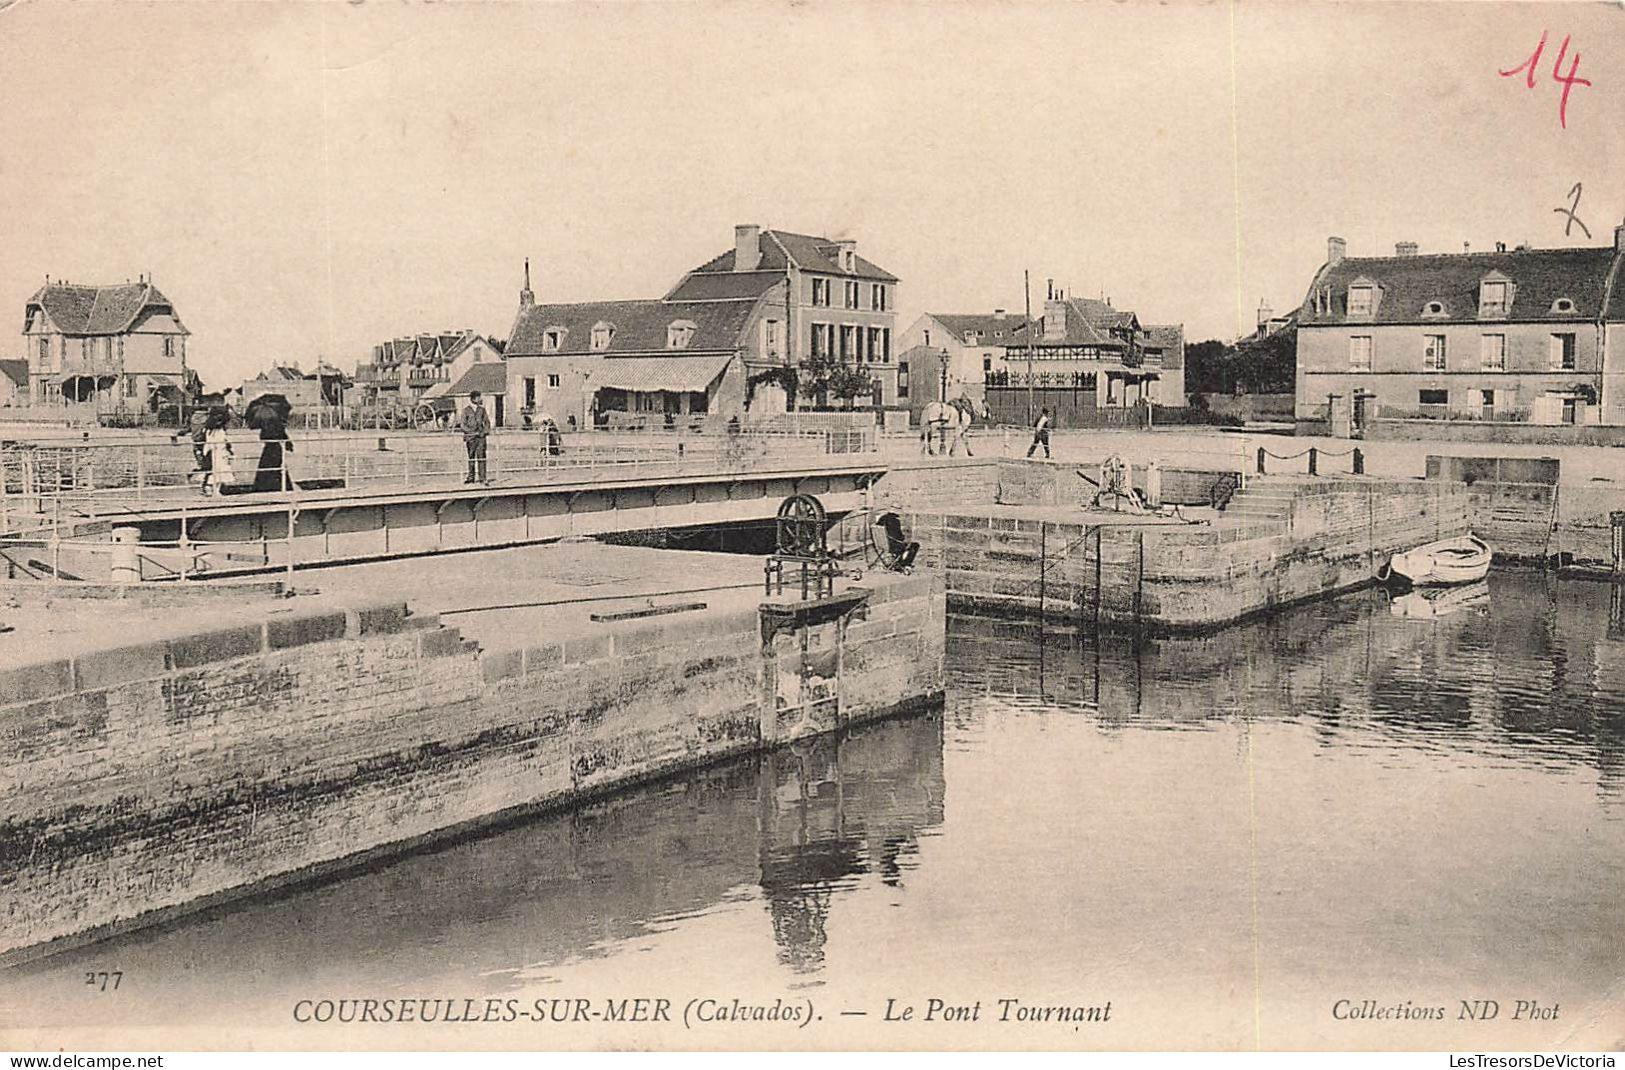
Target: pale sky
307,179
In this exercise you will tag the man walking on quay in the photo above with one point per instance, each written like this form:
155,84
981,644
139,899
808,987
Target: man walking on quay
475,425
1040,434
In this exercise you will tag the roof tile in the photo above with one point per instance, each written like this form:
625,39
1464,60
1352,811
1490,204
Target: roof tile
98,309
812,253
640,326
1409,283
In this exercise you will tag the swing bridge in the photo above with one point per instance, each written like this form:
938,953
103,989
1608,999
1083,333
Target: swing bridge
106,513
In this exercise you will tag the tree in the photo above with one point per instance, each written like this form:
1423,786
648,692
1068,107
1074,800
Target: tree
824,376
848,383
1265,365
1205,364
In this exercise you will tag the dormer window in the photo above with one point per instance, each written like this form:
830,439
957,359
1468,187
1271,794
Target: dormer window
1433,309
679,333
552,339
970,337
601,334
1563,307
848,260
1494,296
1362,299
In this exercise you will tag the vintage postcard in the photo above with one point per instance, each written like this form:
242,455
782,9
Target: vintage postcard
812,526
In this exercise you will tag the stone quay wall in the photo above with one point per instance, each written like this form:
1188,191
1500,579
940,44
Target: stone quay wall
147,781
1526,513
1180,579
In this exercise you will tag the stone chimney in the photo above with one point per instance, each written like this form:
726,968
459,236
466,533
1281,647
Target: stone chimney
747,247
1265,312
1405,248
848,253
998,315
1336,249
527,296
1055,318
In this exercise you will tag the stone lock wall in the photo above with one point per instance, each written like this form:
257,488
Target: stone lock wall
1337,534
1179,578
1526,513
151,780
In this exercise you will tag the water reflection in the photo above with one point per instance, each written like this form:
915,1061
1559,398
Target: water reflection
1524,668
516,906
1336,801
841,808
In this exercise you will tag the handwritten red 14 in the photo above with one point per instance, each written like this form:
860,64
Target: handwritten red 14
1568,81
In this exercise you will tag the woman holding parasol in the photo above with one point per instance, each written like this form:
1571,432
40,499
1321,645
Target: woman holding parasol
269,414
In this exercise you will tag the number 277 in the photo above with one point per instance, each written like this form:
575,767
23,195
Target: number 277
99,979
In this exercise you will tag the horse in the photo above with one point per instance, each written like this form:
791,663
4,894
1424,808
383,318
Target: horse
949,423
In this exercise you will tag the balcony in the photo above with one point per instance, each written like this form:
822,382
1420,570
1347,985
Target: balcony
96,366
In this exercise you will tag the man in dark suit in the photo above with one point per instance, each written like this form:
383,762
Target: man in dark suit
475,424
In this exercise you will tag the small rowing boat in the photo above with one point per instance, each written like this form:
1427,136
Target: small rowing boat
1464,559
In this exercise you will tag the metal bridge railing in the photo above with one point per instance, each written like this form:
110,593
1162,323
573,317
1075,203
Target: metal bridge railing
56,483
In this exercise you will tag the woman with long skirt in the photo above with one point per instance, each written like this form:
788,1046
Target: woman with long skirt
272,473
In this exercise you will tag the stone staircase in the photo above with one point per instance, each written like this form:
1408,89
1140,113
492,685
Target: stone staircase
1265,502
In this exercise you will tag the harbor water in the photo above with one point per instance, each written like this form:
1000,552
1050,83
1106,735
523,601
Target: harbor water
1354,824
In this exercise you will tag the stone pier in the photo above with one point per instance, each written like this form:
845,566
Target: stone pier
276,741
1282,540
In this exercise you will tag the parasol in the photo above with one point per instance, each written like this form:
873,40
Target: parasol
267,409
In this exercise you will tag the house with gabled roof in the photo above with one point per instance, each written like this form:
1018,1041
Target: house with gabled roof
1511,336
972,344
1108,349
1079,343
421,367
574,361
774,301
820,300
121,347
1089,344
